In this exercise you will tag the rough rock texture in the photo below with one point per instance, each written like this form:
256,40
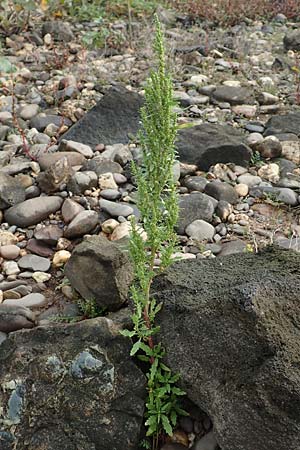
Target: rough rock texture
209,144
231,328
287,123
111,121
99,269
11,192
70,387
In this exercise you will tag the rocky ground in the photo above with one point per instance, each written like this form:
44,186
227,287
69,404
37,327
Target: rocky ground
238,93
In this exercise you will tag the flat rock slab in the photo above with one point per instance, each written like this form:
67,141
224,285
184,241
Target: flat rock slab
111,121
208,144
230,327
32,211
34,300
70,387
34,262
285,123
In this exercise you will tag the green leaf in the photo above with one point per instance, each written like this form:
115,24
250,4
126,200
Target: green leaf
127,333
135,348
166,425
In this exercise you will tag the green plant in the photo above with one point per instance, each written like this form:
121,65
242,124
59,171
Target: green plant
256,159
90,309
158,203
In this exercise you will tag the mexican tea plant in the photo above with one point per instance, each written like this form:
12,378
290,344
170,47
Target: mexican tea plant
158,205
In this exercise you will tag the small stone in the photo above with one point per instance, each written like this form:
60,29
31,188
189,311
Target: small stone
109,225
29,111
7,238
11,294
245,110
221,191
10,268
269,172
49,234
106,181
223,210
34,263
60,258
70,209
207,442
249,180
270,147
82,224
41,277
110,194
254,138
200,230
39,248
241,189
31,212
115,209
84,150
265,98
9,251
34,300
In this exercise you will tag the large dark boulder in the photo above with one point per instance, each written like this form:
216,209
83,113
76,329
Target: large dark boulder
70,387
209,144
113,120
100,270
286,123
230,326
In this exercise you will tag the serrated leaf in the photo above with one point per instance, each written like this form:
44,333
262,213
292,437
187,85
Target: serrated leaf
166,425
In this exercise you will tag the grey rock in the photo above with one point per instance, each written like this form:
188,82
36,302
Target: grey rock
270,147
286,123
221,191
194,183
233,95
200,230
207,442
31,301
34,262
291,40
90,363
83,223
29,111
195,206
285,195
41,121
13,318
111,121
57,175
115,209
73,158
70,209
233,247
60,31
110,194
101,166
249,180
11,192
82,181
241,311
101,270
208,144
32,211
49,234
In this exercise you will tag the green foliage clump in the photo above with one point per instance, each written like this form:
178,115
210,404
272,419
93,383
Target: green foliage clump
158,203
90,309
